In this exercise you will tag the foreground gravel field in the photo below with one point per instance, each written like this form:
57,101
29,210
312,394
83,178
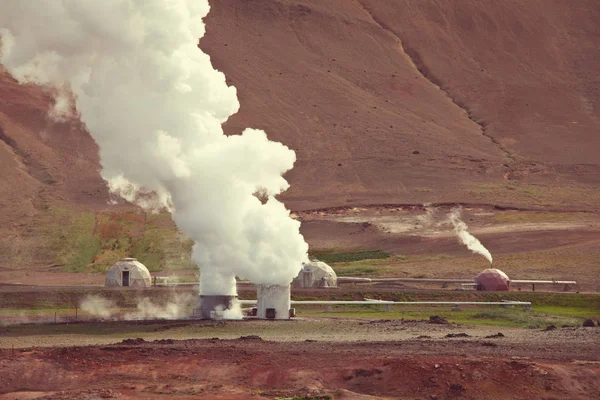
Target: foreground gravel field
344,359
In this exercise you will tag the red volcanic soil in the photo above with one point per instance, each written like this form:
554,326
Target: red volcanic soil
250,367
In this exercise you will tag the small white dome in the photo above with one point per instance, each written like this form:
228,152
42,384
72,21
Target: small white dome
316,274
128,272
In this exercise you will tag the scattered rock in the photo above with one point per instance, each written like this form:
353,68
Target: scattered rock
455,335
549,328
364,373
310,341
367,372
110,348
436,319
589,323
133,341
489,344
107,394
457,387
416,152
423,337
164,341
250,337
497,335
518,365
433,381
380,321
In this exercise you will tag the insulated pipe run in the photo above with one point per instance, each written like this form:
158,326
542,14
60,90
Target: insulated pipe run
548,282
351,279
383,302
343,279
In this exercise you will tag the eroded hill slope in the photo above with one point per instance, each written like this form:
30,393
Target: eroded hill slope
384,102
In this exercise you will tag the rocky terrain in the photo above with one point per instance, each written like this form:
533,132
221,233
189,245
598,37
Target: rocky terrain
402,360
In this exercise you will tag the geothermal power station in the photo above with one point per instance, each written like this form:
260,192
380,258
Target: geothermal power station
274,301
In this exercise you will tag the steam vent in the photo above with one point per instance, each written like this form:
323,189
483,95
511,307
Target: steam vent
273,301
492,280
210,306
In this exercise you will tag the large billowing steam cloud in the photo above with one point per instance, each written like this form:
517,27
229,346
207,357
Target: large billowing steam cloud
472,243
154,104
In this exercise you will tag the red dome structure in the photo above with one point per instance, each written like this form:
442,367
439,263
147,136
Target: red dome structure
492,280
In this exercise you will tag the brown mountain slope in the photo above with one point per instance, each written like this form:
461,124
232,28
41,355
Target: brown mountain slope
337,81
335,86
43,162
358,84
384,101
527,70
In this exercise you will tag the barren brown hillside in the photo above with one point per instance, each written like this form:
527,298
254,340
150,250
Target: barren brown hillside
485,91
42,161
384,101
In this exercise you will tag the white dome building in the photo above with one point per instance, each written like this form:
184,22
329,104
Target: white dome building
314,275
128,272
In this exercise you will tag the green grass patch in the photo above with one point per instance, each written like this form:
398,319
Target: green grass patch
480,315
73,240
371,268
357,270
114,328
92,242
331,258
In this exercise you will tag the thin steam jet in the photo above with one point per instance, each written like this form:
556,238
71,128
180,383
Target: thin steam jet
472,243
153,102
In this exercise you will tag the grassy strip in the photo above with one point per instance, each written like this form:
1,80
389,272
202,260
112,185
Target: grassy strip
128,298
113,329
330,257
485,316
515,316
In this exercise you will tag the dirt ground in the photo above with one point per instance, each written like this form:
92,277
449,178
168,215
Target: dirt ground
349,359
524,244
550,245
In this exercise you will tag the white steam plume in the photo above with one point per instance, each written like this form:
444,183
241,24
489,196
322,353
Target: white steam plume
154,104
175,308
426,220
233,312
97,306
472,243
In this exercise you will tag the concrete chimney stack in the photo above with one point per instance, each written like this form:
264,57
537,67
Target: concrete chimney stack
273,301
